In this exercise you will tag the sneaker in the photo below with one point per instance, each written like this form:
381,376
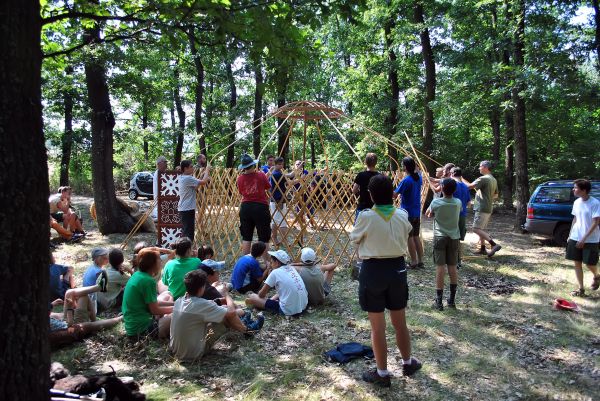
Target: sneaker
371,376
102,281
76,237
411,368
420,265
578,293
246,318
438,305
480,251
255,326
596,283
495,249
451,304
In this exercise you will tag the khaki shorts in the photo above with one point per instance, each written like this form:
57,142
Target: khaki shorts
445,251
481,220
278,211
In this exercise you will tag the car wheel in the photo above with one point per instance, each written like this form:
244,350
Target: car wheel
133,194
561,234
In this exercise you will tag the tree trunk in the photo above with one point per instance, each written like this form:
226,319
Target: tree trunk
283,141
144,126
520,140
508,184
495,124
258,98
198,91
180,116
24,181
67,139
232,116
596,7
173,123
111,218
391,120
430,82
313,156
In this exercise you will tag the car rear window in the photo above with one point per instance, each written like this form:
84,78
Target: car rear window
554,195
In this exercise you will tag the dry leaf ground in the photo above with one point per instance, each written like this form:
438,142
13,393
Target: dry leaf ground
504,342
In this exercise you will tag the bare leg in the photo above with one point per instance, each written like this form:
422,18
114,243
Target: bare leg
483,236
593,269
579,274
246,247
377,320
439,276
412,251
402,335
453,274
164,326
256,301
419,248
234,323
92,327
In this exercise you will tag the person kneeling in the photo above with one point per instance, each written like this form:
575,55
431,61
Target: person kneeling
291,298
197,323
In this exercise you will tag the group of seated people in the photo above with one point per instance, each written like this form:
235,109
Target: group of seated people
178,294
63,218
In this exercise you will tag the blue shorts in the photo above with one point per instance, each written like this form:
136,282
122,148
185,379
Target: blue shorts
273,306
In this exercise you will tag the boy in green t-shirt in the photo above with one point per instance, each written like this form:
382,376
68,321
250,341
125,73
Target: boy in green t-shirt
446,237
176,269
140,303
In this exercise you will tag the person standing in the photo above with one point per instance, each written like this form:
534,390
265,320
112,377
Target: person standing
462,193
582,246
254,210
277,206
487,191
188,185
381,235
361,183
409,190
446,240
270,163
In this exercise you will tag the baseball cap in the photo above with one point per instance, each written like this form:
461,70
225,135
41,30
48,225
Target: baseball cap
96,252
218,266
281,256
308,256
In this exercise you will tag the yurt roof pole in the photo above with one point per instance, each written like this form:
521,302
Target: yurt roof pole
342,136
273,136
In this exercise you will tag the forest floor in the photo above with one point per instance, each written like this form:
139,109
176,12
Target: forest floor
504,341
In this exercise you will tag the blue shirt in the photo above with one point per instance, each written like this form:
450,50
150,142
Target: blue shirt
410,191
277,185
57,290
265,168
90,275
245,269
462,193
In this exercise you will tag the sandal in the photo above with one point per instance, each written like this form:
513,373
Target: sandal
578,293
596,283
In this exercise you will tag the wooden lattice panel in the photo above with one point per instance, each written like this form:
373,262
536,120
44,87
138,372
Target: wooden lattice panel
320,214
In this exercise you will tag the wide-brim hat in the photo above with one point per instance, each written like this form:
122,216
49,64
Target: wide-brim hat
247,161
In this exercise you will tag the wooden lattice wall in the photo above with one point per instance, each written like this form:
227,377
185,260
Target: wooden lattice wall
320,213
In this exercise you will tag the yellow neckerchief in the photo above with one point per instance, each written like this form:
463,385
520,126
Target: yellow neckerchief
385,211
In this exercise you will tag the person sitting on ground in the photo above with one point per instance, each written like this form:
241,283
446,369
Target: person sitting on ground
165,256
206,255
446,240
381,235
61,279
79,304
197,323
316,277
65,233
582,246
143,314
61,211
65,329
117,279
90,276
176,269
247,275
291,298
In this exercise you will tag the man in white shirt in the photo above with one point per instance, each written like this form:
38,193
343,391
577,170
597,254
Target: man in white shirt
291,298
582,246
188,185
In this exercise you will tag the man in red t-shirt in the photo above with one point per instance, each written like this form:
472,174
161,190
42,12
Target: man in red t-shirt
254,210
